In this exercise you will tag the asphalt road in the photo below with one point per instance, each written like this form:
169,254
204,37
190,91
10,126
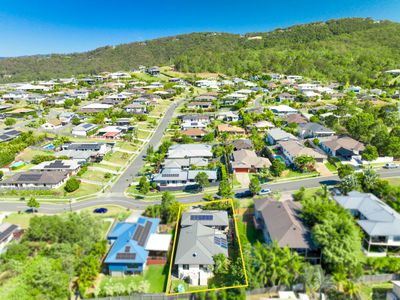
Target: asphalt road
122,183
138,204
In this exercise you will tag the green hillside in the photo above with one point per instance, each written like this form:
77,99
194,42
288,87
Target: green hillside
348,50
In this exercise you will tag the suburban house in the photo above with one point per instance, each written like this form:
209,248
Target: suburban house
240,144
153,71
9,135
190,151
379,222
200,105
285,97
247,161
135,108
67,117
283,110
84,129
35,98
136,245
71,166
293,149
33,180
295,118
313,130
52,124
170,178
221,128
89,151
8,232
194,133
55,100
205,119
200,239
280,221
276,135
262,125
184,163
94,108
194,124
111,132
344,146
228,116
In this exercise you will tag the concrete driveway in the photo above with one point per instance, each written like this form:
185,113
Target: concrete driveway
243,179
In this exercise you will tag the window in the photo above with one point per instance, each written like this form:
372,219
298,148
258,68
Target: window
396,238
185,267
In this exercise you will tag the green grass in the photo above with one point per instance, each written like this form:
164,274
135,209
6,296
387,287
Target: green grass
130,146
85,189
331,167
114,211
21,219
293,174
177,282
156,275
28,154
94,175
143,134
394,181
117,157
374,291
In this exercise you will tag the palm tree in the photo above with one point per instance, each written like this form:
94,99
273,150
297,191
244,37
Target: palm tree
351,289
315,280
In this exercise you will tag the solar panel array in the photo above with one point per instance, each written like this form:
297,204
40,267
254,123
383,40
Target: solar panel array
201,217
141,233
124,256
58,164
87,125
221,242
170,175
29,177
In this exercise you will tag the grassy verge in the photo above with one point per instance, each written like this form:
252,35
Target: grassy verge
375,291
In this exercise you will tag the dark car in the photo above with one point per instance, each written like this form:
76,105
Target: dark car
244,194
100,210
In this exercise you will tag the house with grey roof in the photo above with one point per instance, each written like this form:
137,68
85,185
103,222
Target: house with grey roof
190,151
35,180
280,222
293,149
276,135
313,130
379,222
345,146
83,129
218,220
68,165
177,178
198,242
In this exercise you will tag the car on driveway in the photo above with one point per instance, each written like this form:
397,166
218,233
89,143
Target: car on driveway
100,210
264,192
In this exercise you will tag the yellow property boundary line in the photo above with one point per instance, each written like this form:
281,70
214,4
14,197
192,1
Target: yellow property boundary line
169,282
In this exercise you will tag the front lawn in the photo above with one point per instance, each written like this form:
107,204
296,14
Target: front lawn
21,219
155,275
375,291
330,167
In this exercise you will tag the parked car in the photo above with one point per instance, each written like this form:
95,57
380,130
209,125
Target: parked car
264,192
391,166
245,194
100,210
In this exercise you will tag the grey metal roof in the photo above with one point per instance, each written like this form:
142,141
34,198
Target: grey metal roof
283,223
33,177
189,150
379,219
212,174
315,127
171,174
197,246
278,134
219,218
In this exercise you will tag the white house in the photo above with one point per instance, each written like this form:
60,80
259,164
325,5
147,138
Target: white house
83,129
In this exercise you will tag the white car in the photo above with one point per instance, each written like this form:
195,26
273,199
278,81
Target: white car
265,192
391,166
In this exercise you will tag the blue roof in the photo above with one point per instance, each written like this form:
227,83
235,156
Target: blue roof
131,240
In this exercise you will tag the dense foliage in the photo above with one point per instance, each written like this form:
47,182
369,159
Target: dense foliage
345,50
54,251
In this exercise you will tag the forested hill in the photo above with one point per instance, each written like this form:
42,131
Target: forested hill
348,50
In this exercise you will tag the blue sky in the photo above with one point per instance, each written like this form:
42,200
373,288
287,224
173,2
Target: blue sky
43,26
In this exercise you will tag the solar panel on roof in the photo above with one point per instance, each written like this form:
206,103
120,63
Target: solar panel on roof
145,233
124,256
87,125
201,217
220,241
127,248
29,177
138,233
